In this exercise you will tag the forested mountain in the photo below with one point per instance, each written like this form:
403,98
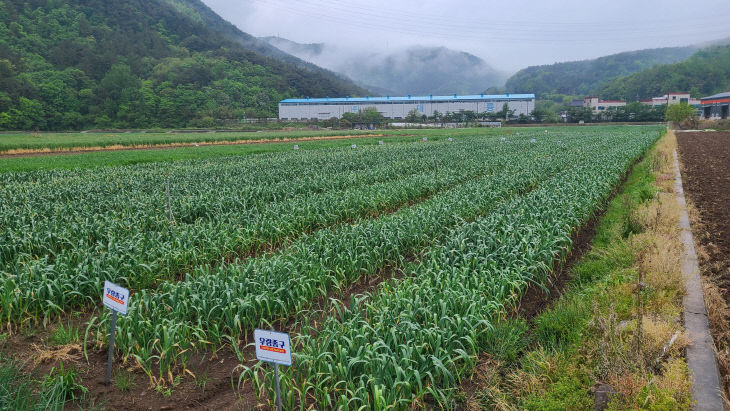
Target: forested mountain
587,76
70,64
706,72
413,70
200,12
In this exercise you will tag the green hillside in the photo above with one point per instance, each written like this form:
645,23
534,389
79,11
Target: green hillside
198,11
585,77
138,63
706,72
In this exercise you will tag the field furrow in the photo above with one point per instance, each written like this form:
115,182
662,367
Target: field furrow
227,303
415,338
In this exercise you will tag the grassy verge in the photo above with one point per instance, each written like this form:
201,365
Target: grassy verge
601,334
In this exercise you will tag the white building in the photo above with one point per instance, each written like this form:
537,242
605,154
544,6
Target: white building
596,104
398,107
671,99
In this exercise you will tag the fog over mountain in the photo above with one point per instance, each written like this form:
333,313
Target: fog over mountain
409,70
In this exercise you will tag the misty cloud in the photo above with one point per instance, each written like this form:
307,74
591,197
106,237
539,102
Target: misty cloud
507,35
413,70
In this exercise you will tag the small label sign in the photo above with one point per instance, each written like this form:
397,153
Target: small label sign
116,297
272,346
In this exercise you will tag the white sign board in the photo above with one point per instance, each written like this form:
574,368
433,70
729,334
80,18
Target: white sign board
272,346
116,297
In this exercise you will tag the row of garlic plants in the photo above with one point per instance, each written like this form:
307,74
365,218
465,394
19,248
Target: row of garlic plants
413,340
219,304
65,232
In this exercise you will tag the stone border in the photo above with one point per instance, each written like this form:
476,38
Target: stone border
706,391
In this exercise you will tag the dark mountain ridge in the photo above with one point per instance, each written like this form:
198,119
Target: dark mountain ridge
139,63
587,76
706,72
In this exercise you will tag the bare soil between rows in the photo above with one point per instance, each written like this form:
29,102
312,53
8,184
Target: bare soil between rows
220,369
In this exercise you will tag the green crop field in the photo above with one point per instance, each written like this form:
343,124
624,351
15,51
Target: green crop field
129,157
71,141
61,141
457,230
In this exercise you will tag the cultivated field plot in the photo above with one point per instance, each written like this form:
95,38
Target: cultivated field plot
705,161
32,142
388,264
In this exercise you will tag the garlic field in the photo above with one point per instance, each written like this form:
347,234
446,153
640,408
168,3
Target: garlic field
459,229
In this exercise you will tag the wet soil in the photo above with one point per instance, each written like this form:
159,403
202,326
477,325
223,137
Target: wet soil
705,167
705,158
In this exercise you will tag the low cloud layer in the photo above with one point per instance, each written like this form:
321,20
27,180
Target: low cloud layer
508,35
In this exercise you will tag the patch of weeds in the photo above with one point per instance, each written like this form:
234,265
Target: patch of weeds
201,380
599,263
124,380
506,340
631,223
16,389
568,392
164,391
562,326
29,332
668,391
551,380
60,385
65,334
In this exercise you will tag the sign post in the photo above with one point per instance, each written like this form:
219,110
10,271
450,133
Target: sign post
110,358
274,348
278,387
117,299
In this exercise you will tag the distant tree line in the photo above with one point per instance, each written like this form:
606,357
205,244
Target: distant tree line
544,112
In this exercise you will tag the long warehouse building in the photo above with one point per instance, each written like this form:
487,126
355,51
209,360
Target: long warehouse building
399,107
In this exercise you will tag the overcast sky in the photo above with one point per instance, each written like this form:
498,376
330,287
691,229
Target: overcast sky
508,34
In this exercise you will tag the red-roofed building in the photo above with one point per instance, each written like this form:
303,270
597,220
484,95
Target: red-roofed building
716,106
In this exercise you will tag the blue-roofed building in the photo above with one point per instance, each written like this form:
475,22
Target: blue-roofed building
399,107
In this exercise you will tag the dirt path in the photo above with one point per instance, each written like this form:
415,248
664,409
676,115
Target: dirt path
22,152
